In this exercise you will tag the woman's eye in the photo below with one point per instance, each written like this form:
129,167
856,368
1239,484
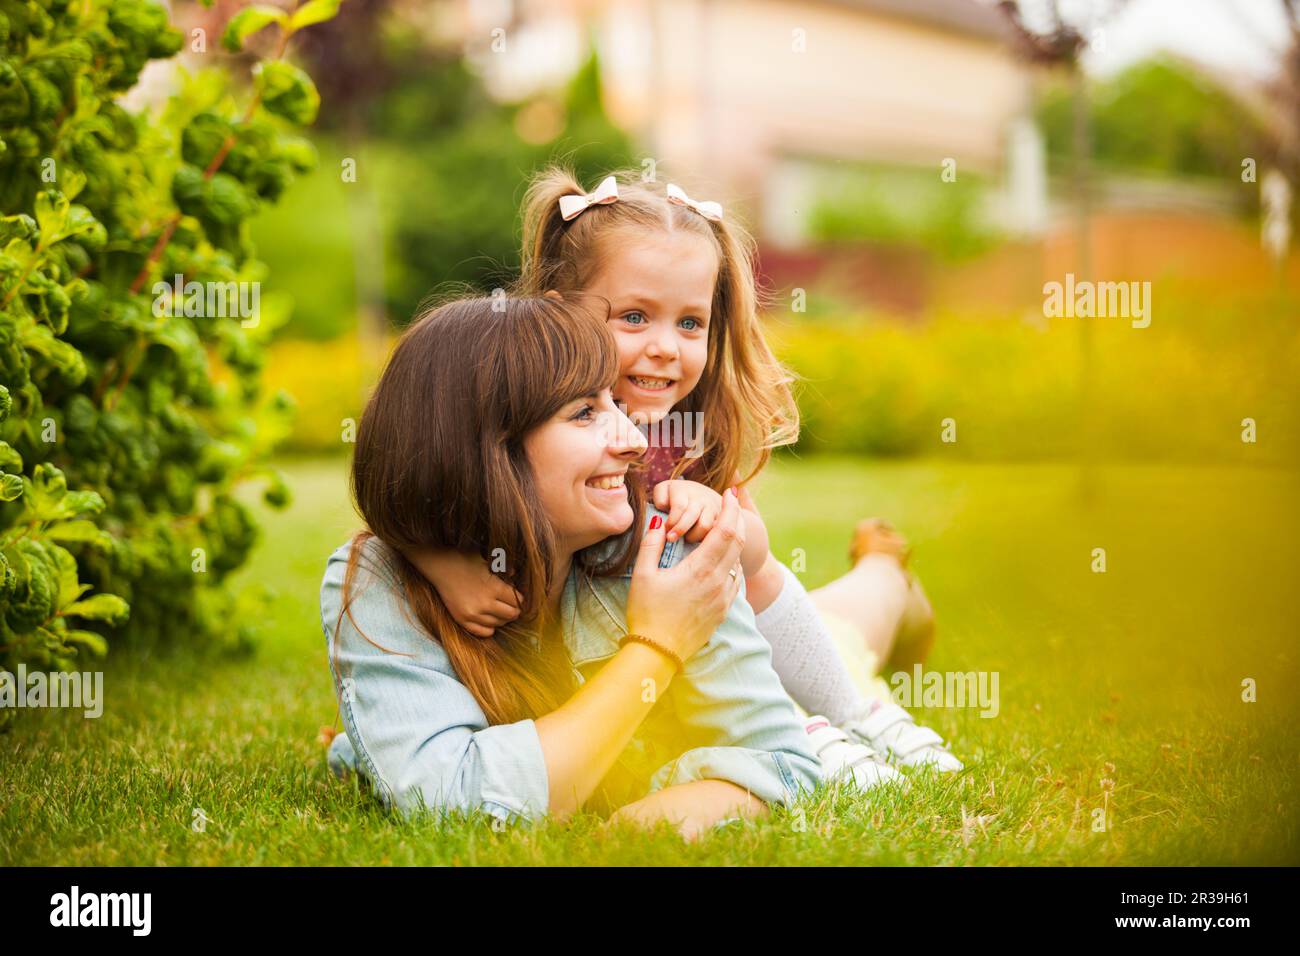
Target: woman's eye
634,318
585,413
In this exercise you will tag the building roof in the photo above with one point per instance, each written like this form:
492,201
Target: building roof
967,17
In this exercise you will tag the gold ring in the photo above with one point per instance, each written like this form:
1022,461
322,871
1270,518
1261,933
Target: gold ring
732,572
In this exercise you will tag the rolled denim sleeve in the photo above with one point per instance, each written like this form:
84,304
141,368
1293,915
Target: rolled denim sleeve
729,694
419,735
773,777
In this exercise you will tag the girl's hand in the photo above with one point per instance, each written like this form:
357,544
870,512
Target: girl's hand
682,606
477,599
692,508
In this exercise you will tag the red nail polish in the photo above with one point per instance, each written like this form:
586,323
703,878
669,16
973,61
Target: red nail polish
655,522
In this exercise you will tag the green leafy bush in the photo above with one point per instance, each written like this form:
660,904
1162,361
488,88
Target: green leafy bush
896,205
126,425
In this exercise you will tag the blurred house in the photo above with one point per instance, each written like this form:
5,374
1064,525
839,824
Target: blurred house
774,103
885,150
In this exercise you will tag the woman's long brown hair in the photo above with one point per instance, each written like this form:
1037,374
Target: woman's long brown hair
440,463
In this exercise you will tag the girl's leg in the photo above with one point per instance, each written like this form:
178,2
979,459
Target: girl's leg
880,599
884,607
804,654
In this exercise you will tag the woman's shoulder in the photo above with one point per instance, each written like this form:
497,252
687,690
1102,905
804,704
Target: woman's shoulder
372,605
372,632
376,575
375,559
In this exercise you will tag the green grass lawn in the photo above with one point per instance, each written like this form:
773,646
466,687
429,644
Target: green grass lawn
1120,690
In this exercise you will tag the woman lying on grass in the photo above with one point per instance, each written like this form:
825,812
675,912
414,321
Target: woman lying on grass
646,693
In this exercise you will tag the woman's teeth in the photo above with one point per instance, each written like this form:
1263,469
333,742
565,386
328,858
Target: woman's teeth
654,384
606,482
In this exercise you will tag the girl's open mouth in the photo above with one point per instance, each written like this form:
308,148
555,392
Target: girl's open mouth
651,384
606,482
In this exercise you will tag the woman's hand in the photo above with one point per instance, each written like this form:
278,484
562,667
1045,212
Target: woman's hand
692,808
692,508
477,599
683,605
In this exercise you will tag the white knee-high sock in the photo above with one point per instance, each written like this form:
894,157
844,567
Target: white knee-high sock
804,655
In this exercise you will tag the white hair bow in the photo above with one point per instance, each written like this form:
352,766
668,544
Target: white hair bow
573,206
708,209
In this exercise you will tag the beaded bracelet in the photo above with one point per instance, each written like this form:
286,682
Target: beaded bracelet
651,642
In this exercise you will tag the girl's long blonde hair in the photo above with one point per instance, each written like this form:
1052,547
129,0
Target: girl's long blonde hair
744,396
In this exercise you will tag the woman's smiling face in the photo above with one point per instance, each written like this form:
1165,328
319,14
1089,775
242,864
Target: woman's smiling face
660,290
580,459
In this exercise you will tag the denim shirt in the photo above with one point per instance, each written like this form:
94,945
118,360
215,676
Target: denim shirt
417,733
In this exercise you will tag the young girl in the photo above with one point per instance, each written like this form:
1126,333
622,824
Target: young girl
696,372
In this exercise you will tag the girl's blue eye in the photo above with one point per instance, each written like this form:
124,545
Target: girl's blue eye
585,413
693,326
634,318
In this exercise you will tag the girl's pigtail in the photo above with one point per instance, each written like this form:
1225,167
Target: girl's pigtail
762,381
543,230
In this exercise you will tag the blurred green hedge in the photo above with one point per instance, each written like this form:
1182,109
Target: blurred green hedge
1177,390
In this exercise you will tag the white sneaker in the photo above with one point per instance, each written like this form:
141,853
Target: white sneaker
890,730
844,758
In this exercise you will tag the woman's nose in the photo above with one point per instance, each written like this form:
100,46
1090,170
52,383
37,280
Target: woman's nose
624,438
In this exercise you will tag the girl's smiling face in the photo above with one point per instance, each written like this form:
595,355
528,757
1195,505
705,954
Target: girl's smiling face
660,291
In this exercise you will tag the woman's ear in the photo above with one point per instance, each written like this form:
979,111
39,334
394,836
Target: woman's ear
552,294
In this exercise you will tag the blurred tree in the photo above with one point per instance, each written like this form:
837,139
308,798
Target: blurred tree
1284,148
1044,37
354,63
440,165
1158,116
1287,90
350,53
460,225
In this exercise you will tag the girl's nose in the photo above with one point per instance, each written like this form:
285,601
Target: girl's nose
662,345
